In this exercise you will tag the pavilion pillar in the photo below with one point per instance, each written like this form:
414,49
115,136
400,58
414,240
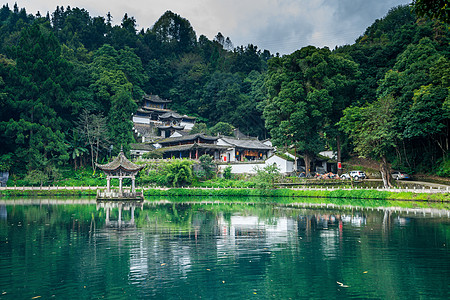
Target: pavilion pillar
120,186
132,185
107,215
120,214
108,184
196,153
132,215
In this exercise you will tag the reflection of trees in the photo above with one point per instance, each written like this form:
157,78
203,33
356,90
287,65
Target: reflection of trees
287,252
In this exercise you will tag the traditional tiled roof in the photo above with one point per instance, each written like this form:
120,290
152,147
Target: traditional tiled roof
192,146
144,129
156,99
170,115
120,162
142,146
175,127
246,143
149,110
183,132
188,117
190,137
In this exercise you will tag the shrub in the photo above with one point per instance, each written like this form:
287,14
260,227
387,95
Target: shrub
179,172
155,154
227,172
444,168
207,165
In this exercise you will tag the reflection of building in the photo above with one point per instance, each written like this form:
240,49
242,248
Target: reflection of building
121,206
237,227
4,178
3,212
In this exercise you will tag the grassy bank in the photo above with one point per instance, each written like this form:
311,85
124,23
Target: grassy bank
247,192
60,192
350,194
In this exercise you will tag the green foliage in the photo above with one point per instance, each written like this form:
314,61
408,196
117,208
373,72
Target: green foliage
153,177
307,91
36,177
444,168
207,165
52,68
266,177
5,162
222,128
179,172
439,9
227,172
199,128
289,195
155,154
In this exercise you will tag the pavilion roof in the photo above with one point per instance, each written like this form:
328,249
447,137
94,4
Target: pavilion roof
120,162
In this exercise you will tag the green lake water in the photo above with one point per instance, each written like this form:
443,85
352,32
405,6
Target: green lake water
161,249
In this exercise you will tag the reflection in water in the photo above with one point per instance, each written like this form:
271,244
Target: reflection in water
220,251
121,206
3,212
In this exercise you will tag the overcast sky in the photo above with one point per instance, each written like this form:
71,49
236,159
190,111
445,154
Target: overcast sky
281,26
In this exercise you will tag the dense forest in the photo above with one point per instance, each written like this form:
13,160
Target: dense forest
69,83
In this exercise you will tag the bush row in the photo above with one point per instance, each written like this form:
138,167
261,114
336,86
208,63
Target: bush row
351,194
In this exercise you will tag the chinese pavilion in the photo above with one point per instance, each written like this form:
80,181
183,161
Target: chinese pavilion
120,168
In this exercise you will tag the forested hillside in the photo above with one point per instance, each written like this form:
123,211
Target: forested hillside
70,83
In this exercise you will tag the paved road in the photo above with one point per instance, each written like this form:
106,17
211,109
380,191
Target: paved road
425,183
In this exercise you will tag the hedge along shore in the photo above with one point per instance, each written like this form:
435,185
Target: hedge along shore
394,194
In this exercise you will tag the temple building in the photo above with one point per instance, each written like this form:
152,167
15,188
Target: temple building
120,168
244,149
170,123
155,120
221,148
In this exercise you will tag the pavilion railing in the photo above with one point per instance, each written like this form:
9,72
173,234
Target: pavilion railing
117,194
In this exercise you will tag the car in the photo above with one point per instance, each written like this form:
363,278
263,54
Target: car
357,175
397,175
345,176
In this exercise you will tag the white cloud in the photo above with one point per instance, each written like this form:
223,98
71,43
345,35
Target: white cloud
281,26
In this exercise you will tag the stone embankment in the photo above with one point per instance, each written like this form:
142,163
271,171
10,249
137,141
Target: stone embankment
431,188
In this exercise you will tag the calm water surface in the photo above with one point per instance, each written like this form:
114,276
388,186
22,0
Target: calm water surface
80,249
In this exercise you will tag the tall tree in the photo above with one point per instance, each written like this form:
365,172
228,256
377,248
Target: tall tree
94,131
439,9
304,87
175,32
372,129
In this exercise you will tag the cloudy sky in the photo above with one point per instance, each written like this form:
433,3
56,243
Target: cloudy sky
281,26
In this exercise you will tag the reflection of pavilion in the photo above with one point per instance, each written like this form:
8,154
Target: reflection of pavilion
108,206
120,168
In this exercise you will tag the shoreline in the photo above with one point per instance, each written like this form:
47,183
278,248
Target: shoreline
356,193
